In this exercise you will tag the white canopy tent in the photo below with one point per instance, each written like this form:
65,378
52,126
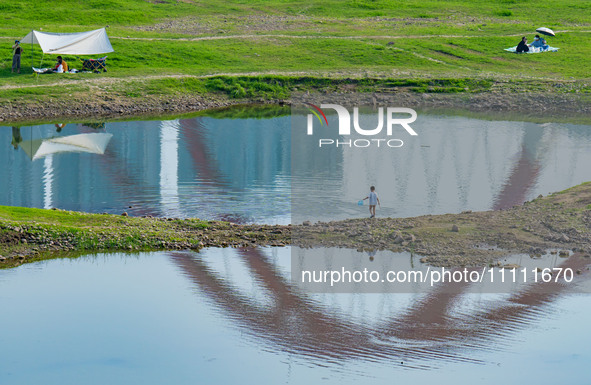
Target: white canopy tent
77,43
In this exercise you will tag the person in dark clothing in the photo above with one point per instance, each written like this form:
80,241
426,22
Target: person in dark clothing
16,136
522,46
16,56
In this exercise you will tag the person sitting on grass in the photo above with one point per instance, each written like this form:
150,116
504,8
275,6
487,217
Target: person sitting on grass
61,66
540,43
522,46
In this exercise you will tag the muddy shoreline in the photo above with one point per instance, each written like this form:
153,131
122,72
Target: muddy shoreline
101,110
520,106
560,223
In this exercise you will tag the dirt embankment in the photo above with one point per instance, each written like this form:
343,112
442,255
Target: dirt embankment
559,222
507,105
520,105
114,107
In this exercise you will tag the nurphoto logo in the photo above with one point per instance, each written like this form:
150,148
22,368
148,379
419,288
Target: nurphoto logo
392,119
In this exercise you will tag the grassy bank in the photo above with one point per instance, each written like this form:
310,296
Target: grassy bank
168,50
28,234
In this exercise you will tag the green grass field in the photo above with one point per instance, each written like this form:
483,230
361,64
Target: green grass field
169,46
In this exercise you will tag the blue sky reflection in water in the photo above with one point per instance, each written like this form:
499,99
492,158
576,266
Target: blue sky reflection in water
232,316
240,169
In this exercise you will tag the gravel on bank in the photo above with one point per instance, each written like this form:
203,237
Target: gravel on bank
535,106
560,222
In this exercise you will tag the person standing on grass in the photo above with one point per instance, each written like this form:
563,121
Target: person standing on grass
373,201
17,51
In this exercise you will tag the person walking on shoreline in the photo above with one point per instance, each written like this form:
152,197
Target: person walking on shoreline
17,51
373,201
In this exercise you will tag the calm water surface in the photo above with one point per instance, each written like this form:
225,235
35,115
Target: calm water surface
232,316
227,316
232,169
241,169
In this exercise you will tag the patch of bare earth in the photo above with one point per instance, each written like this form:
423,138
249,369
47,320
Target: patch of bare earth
558,222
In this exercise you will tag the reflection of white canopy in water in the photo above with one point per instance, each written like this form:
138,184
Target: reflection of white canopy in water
94,143
78,43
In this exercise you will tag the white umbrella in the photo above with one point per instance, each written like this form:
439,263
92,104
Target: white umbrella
545,31
95,143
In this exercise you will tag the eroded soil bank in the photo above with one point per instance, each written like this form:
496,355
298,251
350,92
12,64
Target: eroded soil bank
520,101
560,222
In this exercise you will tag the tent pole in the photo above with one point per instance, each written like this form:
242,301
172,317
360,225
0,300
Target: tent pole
31,48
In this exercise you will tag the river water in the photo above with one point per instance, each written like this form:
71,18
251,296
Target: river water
241,169
234,316
226,316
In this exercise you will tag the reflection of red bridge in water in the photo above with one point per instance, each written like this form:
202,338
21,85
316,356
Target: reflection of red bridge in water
523,176
192,131
429,330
